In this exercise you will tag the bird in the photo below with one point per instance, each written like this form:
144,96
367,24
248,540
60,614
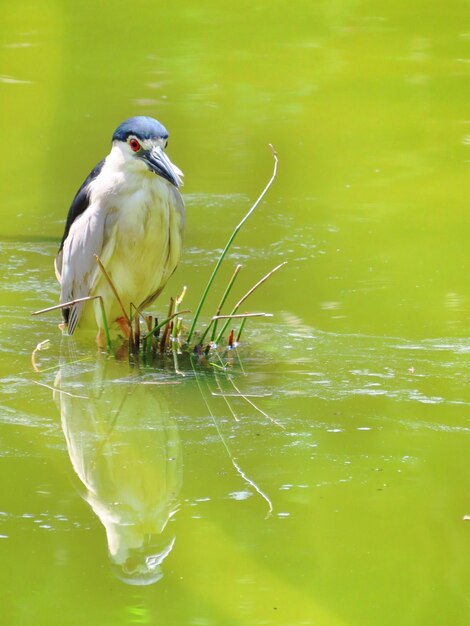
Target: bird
130,213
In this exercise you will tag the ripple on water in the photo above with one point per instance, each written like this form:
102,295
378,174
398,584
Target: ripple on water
354,368
55,522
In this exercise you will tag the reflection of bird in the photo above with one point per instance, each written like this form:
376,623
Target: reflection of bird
125,448
130,213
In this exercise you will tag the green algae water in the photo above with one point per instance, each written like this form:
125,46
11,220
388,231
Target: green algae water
322,478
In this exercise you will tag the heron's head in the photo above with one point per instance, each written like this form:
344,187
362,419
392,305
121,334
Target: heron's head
145,139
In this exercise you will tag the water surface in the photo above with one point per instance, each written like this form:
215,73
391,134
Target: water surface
323,478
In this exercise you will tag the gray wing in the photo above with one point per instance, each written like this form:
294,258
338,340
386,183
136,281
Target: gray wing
75,264
80,204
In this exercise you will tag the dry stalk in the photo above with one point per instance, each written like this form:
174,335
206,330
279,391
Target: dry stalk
114,290
166,331
66,305
247,295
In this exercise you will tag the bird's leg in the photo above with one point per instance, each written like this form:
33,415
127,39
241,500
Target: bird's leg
101,339
123,324
122,353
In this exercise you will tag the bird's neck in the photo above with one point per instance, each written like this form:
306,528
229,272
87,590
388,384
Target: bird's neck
118,161
121,174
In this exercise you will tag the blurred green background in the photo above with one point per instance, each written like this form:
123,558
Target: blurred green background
365,362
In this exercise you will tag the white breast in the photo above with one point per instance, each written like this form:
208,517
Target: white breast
142,238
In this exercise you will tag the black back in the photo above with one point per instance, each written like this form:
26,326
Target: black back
80,202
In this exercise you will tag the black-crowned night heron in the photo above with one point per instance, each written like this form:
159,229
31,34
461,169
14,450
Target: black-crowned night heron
130,213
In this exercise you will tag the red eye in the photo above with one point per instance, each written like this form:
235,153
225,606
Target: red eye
135,145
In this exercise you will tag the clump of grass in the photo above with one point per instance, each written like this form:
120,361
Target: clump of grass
150,339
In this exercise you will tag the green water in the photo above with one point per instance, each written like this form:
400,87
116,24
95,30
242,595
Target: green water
335,492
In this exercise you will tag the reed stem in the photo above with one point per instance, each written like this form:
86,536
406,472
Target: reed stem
66,305
222,302
242,326
114,290
166,331
229,243
248,293
213,322
105,324
232,316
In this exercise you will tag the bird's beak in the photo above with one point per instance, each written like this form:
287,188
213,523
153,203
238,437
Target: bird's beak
159,163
